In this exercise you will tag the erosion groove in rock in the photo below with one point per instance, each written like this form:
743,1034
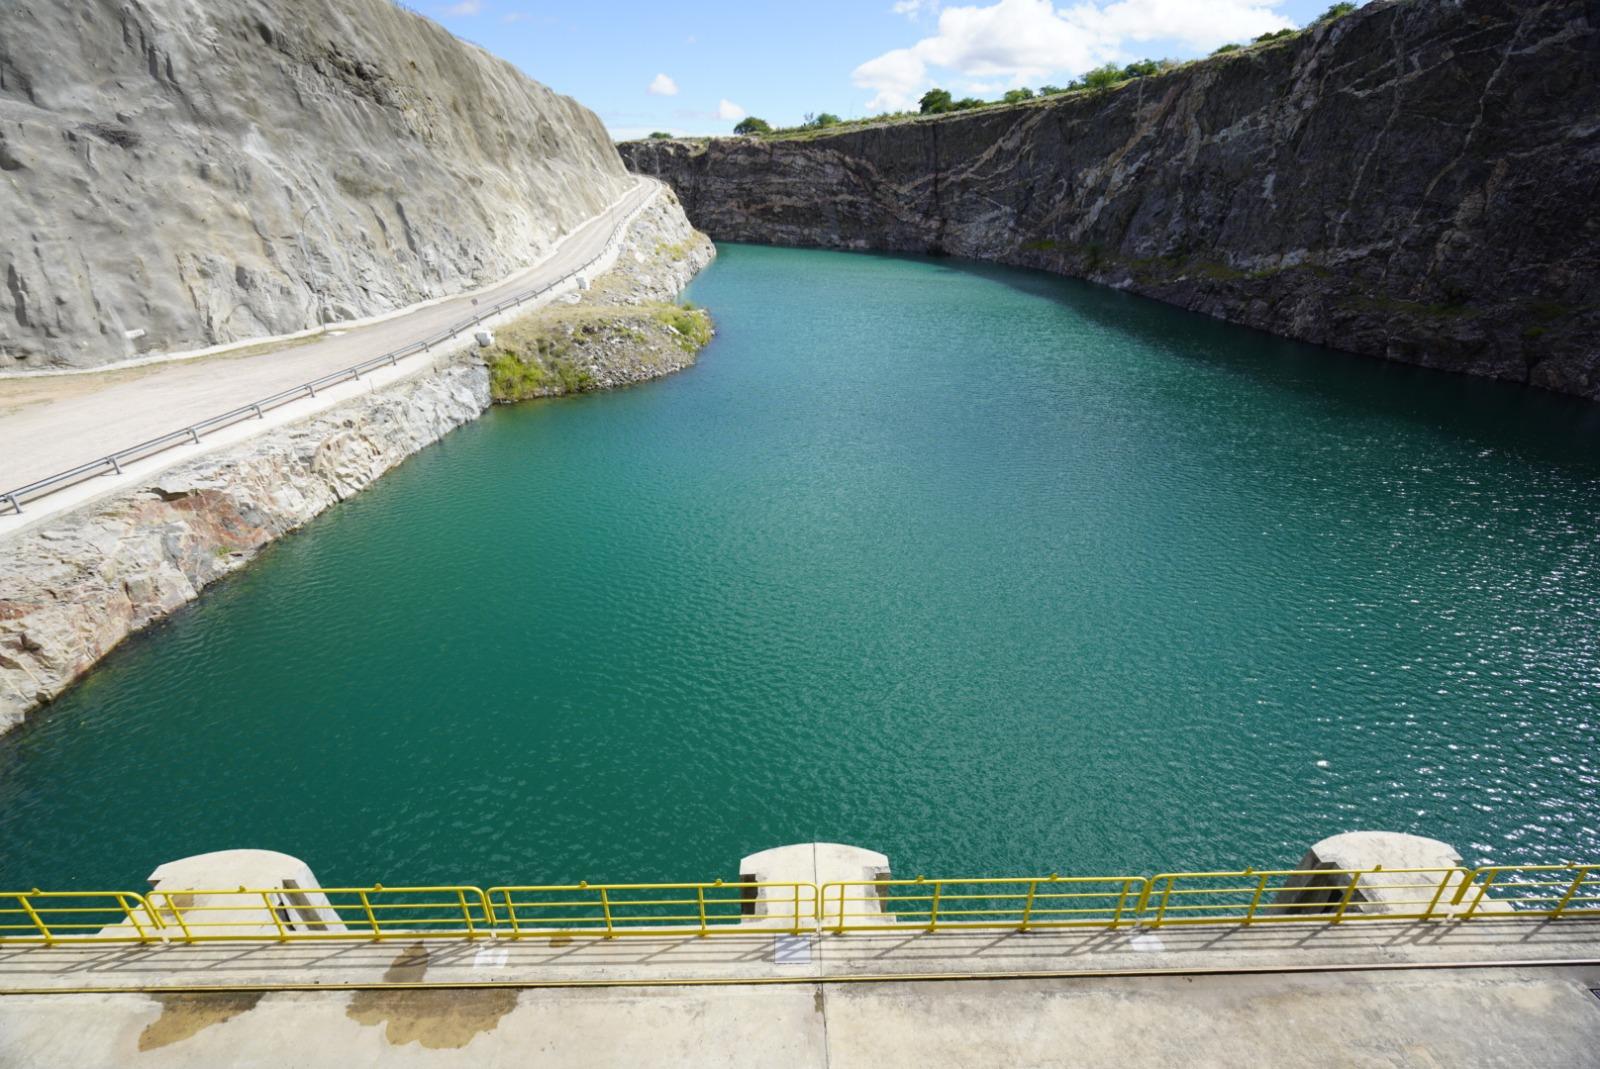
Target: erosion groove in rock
77,585
176,174
1415,181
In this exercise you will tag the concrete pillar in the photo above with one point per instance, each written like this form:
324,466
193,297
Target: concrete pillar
204,891
820,864
1376,892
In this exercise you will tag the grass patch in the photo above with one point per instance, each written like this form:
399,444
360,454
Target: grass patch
691,325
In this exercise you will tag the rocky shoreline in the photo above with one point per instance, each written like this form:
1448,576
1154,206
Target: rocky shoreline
1414,181
82,582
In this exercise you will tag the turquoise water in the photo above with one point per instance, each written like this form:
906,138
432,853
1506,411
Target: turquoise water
994,572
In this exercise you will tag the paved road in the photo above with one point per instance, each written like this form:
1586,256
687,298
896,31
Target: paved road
52,424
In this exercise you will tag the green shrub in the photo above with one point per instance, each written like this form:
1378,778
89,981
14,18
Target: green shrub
968,103
1050,90
1143,69
1337,11
1275,35
661,135
936,102
1103,77
1017,96
821,122
1227,48
752,125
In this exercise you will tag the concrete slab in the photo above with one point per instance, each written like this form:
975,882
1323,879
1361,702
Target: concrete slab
1481,1017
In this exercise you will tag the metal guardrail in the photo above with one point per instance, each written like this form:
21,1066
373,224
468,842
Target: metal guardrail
11,501
1018,904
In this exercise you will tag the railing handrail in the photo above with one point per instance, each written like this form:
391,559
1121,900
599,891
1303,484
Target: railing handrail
111,464
286,914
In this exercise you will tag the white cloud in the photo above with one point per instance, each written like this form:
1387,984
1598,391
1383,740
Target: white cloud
915,8
1024,41
515,16
465,7
728,111
663,86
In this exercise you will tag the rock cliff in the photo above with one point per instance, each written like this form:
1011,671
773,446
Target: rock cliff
74,587
1416,181
180,173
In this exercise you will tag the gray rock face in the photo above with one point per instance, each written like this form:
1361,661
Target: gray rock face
180,173
1416,181
73,588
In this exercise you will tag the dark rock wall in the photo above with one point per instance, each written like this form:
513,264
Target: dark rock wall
1419,181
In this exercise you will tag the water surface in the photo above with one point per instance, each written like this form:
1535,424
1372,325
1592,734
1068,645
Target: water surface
991,571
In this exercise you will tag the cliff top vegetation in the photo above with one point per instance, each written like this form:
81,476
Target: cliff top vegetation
937,102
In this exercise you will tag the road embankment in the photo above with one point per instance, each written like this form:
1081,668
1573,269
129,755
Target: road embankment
73,588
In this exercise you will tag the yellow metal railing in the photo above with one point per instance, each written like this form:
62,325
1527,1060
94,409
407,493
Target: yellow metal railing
1254,896
295,914
1021,904
1534,891
50,917
655,908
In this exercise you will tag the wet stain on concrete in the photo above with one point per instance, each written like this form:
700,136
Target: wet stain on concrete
187,1013
436,1018
560,940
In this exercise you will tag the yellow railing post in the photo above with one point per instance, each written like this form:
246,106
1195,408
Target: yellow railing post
1483,889
1122,901
839,930
1161,911
933,912
466,914
796,908
272,911
700,898
1027,907
132,917
1255,900
605,908
27,907
1349,892
1438,892
372,919
1583,874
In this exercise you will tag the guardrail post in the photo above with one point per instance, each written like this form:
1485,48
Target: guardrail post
259,413
1482,890
194,434
114,465
933,912
1583,874
44,929
466,914
1261,887
15,504
1349,892
605,908
366,907
1027,907
700,897
266,899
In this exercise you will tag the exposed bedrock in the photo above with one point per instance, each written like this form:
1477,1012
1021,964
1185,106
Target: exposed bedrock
76,585
180,173
1416,181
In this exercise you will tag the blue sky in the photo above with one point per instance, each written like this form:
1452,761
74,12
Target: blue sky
696,68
